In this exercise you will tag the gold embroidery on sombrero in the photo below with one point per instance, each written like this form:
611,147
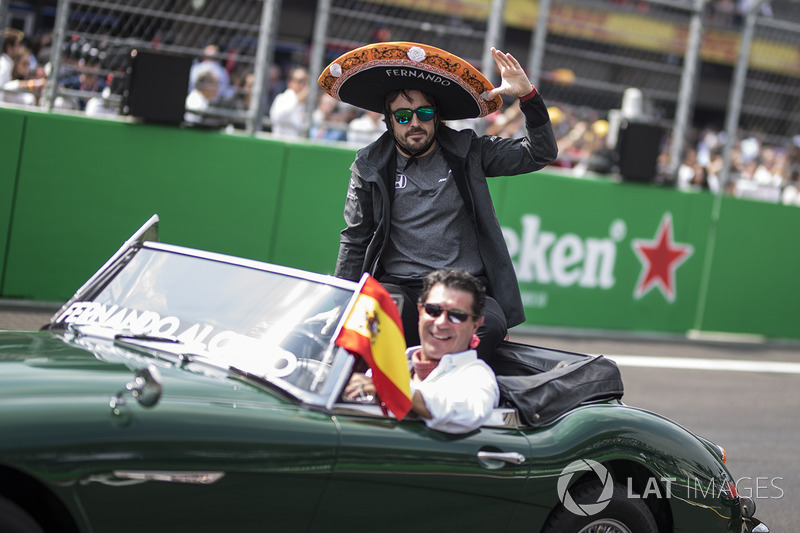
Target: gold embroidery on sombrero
491,106
354,60
389,52
473,81
444,63
327,83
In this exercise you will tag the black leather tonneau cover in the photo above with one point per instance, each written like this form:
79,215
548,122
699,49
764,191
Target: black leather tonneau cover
544,383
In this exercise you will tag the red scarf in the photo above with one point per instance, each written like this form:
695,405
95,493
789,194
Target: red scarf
423,368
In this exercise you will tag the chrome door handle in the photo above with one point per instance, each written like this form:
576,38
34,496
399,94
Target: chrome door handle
509,457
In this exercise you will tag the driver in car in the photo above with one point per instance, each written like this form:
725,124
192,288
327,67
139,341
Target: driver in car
451,389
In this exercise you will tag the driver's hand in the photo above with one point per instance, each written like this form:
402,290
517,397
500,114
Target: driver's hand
331,318
360,386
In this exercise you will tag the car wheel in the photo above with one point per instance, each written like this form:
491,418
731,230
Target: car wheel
622,514
14,519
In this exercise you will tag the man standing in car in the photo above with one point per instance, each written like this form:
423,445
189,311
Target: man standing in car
418,198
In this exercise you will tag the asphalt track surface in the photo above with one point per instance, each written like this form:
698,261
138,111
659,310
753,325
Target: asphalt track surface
742,396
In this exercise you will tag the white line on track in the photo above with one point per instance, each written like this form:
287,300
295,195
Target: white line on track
732,365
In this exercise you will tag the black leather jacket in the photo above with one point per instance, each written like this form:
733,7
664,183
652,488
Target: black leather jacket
472,158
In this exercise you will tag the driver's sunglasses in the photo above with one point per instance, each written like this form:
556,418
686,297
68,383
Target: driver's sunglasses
424,114
453,315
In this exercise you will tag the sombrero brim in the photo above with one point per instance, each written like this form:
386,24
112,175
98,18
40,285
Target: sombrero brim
364,76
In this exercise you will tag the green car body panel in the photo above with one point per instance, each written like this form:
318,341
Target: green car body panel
286,465
60,430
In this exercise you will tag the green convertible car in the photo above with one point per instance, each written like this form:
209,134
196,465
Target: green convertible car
182,390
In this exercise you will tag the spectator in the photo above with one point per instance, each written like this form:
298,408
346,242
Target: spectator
714,171
103,105
11,48
41,47
791,193
288,111
509,123
686,170
209,62
241,100
199,99
328,123
381,33
245,92
90,79
365,129
768,171
699,178
722,12
276,84
22,89
595,156
81,72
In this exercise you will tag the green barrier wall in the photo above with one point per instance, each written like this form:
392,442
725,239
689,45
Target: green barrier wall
11,135
755,281
310,217
84,185
589,254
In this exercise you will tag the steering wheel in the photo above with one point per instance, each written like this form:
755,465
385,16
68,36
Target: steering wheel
306,371
304,342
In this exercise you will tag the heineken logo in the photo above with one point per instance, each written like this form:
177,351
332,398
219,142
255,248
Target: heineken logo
571,260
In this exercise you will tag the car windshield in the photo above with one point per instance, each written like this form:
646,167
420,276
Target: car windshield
274,325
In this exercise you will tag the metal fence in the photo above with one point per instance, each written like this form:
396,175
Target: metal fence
96,38
721,82
760,144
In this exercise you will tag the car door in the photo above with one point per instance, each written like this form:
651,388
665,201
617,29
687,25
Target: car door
399,475
189,465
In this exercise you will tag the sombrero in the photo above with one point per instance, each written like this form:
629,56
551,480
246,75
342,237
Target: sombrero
364,76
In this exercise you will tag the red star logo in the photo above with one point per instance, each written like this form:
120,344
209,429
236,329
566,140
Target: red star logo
660,258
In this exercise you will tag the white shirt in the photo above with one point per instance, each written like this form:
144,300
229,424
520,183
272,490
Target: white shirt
195,101
287,115
461,392
363,130
6,69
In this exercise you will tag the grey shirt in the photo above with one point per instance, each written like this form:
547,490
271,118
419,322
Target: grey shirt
430,225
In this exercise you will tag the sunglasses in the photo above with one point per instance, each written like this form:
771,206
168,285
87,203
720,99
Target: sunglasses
453,315
424,114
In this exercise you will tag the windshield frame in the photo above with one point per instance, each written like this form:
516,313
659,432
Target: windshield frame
339,362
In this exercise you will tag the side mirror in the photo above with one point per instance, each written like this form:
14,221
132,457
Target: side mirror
146,388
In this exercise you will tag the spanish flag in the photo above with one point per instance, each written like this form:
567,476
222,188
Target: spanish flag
374,331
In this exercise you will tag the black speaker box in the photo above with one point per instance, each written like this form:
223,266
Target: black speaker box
157,87
638,148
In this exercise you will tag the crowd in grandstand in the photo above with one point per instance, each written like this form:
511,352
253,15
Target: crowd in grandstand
759,170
